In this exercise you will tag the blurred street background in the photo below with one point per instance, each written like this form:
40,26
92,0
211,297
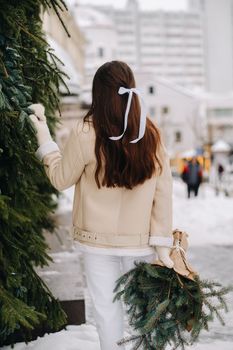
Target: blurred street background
182,55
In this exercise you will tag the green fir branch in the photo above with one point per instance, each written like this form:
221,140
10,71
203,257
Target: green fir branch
165,308
28,75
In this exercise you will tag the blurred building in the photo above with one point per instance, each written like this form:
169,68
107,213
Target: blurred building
169,44
130,35
218,110
100,35
176,110
100,43
71,52
218,35
186,74
217,102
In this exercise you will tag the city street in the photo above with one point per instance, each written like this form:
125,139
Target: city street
104,93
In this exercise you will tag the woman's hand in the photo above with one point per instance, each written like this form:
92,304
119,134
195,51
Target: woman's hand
163,255
39,121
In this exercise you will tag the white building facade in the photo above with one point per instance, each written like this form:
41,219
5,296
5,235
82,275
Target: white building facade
169,44
175,59
175,110
145,41
218,34
101,43
219,115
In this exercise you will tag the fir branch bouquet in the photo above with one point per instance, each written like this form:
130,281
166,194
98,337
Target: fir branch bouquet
169,306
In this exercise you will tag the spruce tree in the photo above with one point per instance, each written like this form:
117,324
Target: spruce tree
28,74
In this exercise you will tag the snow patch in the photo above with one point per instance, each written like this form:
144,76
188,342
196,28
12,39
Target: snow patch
49,273
85,337
208,219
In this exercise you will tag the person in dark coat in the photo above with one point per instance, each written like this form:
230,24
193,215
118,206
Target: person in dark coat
192,176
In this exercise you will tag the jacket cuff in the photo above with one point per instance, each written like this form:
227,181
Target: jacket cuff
161,241
46,148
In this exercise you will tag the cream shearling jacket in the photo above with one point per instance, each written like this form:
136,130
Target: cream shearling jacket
110,217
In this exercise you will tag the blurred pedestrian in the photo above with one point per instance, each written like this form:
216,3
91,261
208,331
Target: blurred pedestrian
192,175
220,171
122,209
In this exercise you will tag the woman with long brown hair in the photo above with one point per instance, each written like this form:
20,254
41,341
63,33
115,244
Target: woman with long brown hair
122,210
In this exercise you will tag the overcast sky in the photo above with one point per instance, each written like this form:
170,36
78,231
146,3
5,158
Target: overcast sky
144,4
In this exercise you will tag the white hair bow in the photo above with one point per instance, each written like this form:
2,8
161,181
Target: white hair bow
142,126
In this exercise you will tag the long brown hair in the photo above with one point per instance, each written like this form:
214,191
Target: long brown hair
126,164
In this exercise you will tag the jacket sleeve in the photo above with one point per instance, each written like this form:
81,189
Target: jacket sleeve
64,168
161,216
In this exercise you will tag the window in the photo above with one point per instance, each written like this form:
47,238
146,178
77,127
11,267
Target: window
165,110
100,52
223,112
152,111
178,136
151,90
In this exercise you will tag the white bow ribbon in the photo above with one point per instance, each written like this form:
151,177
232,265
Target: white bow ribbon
142,126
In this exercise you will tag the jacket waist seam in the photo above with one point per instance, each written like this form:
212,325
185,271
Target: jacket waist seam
137,239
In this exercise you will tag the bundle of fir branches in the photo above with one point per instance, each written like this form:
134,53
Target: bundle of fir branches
169,306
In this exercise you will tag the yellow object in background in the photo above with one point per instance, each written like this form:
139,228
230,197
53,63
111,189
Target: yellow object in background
178,163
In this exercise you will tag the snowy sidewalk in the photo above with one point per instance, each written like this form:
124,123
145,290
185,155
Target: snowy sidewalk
85,337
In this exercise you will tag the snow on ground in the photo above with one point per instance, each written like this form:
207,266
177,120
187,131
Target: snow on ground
66,201
208,220
82,337
85,337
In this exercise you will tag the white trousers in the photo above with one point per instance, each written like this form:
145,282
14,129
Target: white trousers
101,273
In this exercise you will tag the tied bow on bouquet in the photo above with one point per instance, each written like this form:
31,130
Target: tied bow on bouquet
169,306
178,255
